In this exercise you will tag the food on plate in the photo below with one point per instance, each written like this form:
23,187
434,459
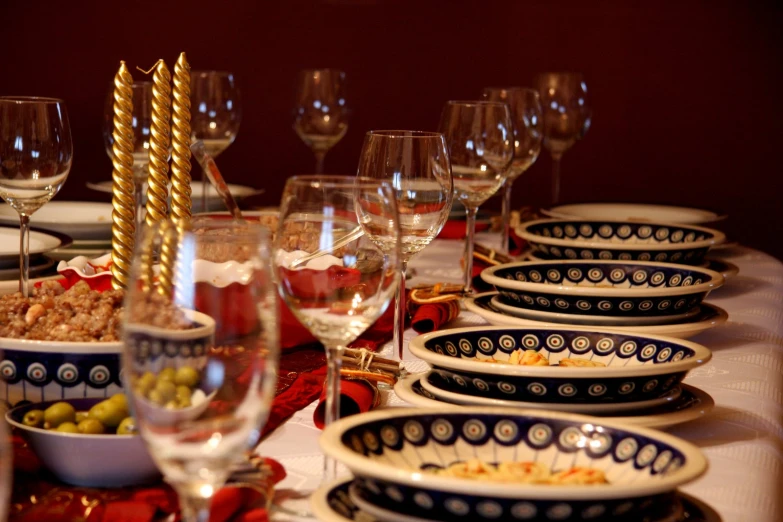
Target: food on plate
522,473
521,357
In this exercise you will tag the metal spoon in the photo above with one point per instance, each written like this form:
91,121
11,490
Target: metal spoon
215,177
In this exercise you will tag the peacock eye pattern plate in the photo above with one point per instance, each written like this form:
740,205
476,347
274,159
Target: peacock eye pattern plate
665,243
439,440
610,276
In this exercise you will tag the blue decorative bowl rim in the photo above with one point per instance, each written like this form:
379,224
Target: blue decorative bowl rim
701,355
522,231
14,413
715,281
331,442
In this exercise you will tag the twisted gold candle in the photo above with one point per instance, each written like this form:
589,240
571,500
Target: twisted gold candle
123,228
169,242
180,140
158,180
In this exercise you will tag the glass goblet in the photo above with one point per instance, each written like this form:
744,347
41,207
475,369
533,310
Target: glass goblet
336,260
320,113
36,152
216,112
141,124
200,350
525,110
566,115
480,139
417,166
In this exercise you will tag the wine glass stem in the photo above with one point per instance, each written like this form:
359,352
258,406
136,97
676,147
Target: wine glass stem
556,178
470,224
320,155
24,254
333,363
194,508
138,192
400,313
504,240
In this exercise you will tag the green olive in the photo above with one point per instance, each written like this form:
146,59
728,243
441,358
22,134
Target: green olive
172,405
59,413
183,392
184,402
108,413
120,399
156,397
146,383
33,418
91,427
167,374
187,376
68,427
167,390
127,426
80,416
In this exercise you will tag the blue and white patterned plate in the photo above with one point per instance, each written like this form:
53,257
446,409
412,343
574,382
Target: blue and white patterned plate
692,404
709,316
332,503
637,368
619,240
389,451
438,384
606,288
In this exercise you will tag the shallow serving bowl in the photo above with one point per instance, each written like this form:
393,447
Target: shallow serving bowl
87,460
620,240
389,452
638,368
613,289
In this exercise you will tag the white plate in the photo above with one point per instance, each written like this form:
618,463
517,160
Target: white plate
586,409
66,254
78,219
636,212
12,286
38,265
709,316
40,243
213,199
724,268
692,403
590,320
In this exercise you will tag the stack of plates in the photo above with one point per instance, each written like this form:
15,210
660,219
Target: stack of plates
633,378
89,224
42,263
419,465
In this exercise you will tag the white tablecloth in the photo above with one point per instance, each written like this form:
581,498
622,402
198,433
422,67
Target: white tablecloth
742,437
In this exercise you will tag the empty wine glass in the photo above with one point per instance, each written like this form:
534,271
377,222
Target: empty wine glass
200,350
336,260
36,152
480,139
141,124
320,112
216,112
526,117
416,164
566,114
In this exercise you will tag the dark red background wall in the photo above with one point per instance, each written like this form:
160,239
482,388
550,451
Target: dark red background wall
686,94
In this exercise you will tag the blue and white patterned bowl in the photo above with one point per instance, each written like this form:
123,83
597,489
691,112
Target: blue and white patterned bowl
620,240
106,461
389,451
637,368
37,371
602,288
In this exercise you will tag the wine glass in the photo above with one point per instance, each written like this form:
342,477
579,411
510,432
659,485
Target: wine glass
216,112
36,152
416,164
141,125
336,261
200,350
480,138
526,117
6,468
320,113
566,115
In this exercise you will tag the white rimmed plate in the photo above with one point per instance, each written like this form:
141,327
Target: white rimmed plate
637,212
214,202
709,316
589,320
692,404
585,409
41,242
38,266
78,219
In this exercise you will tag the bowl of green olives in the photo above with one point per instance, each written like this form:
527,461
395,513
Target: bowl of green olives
86,442
171,395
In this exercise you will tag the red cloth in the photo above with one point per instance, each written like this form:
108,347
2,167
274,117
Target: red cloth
456,229
355,397
431,316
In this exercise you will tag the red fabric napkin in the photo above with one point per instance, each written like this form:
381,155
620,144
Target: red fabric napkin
456,229
356,396
431,316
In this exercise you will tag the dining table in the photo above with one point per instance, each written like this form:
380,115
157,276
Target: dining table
742,437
